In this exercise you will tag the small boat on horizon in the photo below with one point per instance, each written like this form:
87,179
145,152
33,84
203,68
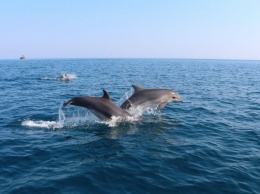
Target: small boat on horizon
22,57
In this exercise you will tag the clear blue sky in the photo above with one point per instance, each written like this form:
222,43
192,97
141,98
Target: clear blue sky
218,29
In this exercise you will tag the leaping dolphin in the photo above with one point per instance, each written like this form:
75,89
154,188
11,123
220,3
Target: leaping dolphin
152,98
102,107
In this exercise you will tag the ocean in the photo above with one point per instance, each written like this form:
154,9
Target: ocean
209,143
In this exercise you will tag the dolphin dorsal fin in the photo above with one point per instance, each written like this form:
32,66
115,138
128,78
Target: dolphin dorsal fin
106,95
137,88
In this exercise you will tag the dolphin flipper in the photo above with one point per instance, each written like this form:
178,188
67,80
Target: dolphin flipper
161,106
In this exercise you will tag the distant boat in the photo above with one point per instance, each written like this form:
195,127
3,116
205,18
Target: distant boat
22,57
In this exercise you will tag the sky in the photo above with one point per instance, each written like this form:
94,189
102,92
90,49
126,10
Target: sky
193,29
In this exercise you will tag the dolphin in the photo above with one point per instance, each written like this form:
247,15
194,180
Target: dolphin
63,77
151,98
66,77
101,107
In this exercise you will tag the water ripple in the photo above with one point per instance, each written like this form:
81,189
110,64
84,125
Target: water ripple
207,144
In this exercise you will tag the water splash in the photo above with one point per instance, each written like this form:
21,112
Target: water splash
67,77
115,121
48,78
125,97
61,117
79,116
40,124
62,77
48,124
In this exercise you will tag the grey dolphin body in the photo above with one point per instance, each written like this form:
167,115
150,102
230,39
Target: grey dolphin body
102,107
152,98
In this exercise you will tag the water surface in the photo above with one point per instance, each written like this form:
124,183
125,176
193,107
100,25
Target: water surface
207,144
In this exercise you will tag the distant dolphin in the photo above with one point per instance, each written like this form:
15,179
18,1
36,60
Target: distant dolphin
152,98
63,77
102,107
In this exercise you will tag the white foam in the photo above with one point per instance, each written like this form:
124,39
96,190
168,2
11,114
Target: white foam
48,78
48,124
62,77
42,124
117,120
138,111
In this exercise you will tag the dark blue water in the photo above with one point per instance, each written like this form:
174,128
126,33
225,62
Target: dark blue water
210,143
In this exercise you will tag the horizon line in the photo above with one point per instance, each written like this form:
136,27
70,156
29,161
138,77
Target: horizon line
172,58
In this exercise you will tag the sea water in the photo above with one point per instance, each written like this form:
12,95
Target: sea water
210,143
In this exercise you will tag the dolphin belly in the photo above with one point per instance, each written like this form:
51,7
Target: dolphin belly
100,115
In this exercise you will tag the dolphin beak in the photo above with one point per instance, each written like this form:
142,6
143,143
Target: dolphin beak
66,104
177,98
180,99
